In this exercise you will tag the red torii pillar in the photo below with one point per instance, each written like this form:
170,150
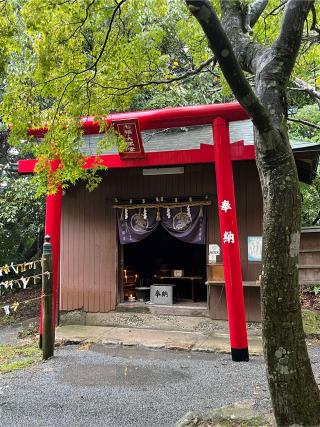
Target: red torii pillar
52,228
230,242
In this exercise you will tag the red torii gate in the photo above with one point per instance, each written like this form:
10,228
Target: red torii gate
222,153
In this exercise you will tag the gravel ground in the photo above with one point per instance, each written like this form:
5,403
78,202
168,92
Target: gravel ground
120,387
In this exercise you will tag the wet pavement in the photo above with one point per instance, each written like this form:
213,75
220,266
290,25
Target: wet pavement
130,386
120,387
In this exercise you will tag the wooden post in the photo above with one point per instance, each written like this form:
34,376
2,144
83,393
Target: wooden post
47,300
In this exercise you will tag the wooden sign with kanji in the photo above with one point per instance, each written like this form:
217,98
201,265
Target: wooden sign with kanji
130,130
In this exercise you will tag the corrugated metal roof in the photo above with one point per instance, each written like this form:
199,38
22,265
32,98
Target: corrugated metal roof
187,138
304,145
172,139
176,138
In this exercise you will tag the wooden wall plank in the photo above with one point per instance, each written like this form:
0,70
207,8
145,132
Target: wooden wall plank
82,226
86,261
254,213
89,234
63,262
91,250
240,181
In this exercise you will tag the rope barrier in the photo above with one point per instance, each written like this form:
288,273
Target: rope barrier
24,266
25,280
16,304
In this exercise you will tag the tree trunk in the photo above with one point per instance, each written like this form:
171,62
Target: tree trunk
295,394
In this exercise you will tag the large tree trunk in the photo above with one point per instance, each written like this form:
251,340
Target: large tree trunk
294,392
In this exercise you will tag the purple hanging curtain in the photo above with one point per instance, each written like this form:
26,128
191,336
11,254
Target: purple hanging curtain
136,224
187,223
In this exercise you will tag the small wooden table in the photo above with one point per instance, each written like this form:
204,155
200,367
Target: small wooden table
217,300
222,282
192,279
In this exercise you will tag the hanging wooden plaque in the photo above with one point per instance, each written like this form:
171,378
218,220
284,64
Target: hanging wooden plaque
130,130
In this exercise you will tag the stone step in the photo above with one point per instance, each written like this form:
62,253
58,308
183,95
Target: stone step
145,321
190,309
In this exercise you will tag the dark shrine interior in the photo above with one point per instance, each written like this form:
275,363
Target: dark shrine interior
159,254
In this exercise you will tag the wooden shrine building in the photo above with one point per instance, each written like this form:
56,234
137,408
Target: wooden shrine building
181,206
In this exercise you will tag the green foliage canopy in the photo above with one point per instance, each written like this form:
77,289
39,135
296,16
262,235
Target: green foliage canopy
92,57
21,221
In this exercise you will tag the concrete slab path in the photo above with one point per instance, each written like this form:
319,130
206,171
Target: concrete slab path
153,338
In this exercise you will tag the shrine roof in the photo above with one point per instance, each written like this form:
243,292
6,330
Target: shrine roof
182,135
192,115
177,138
304,146
190,138
306,155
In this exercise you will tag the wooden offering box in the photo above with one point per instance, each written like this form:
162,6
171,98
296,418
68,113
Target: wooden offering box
215,272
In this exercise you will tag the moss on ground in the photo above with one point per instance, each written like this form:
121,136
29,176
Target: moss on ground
311,322
13,357
6,321
227,416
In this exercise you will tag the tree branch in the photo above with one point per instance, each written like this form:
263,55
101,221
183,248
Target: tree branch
3,5
304,122
310,90
314,20
313,27
255,11
289,40
184,76
235,21
277,9
249,14
80,23
221,47
314,222
94,65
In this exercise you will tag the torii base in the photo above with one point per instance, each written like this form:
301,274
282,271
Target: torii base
240,354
